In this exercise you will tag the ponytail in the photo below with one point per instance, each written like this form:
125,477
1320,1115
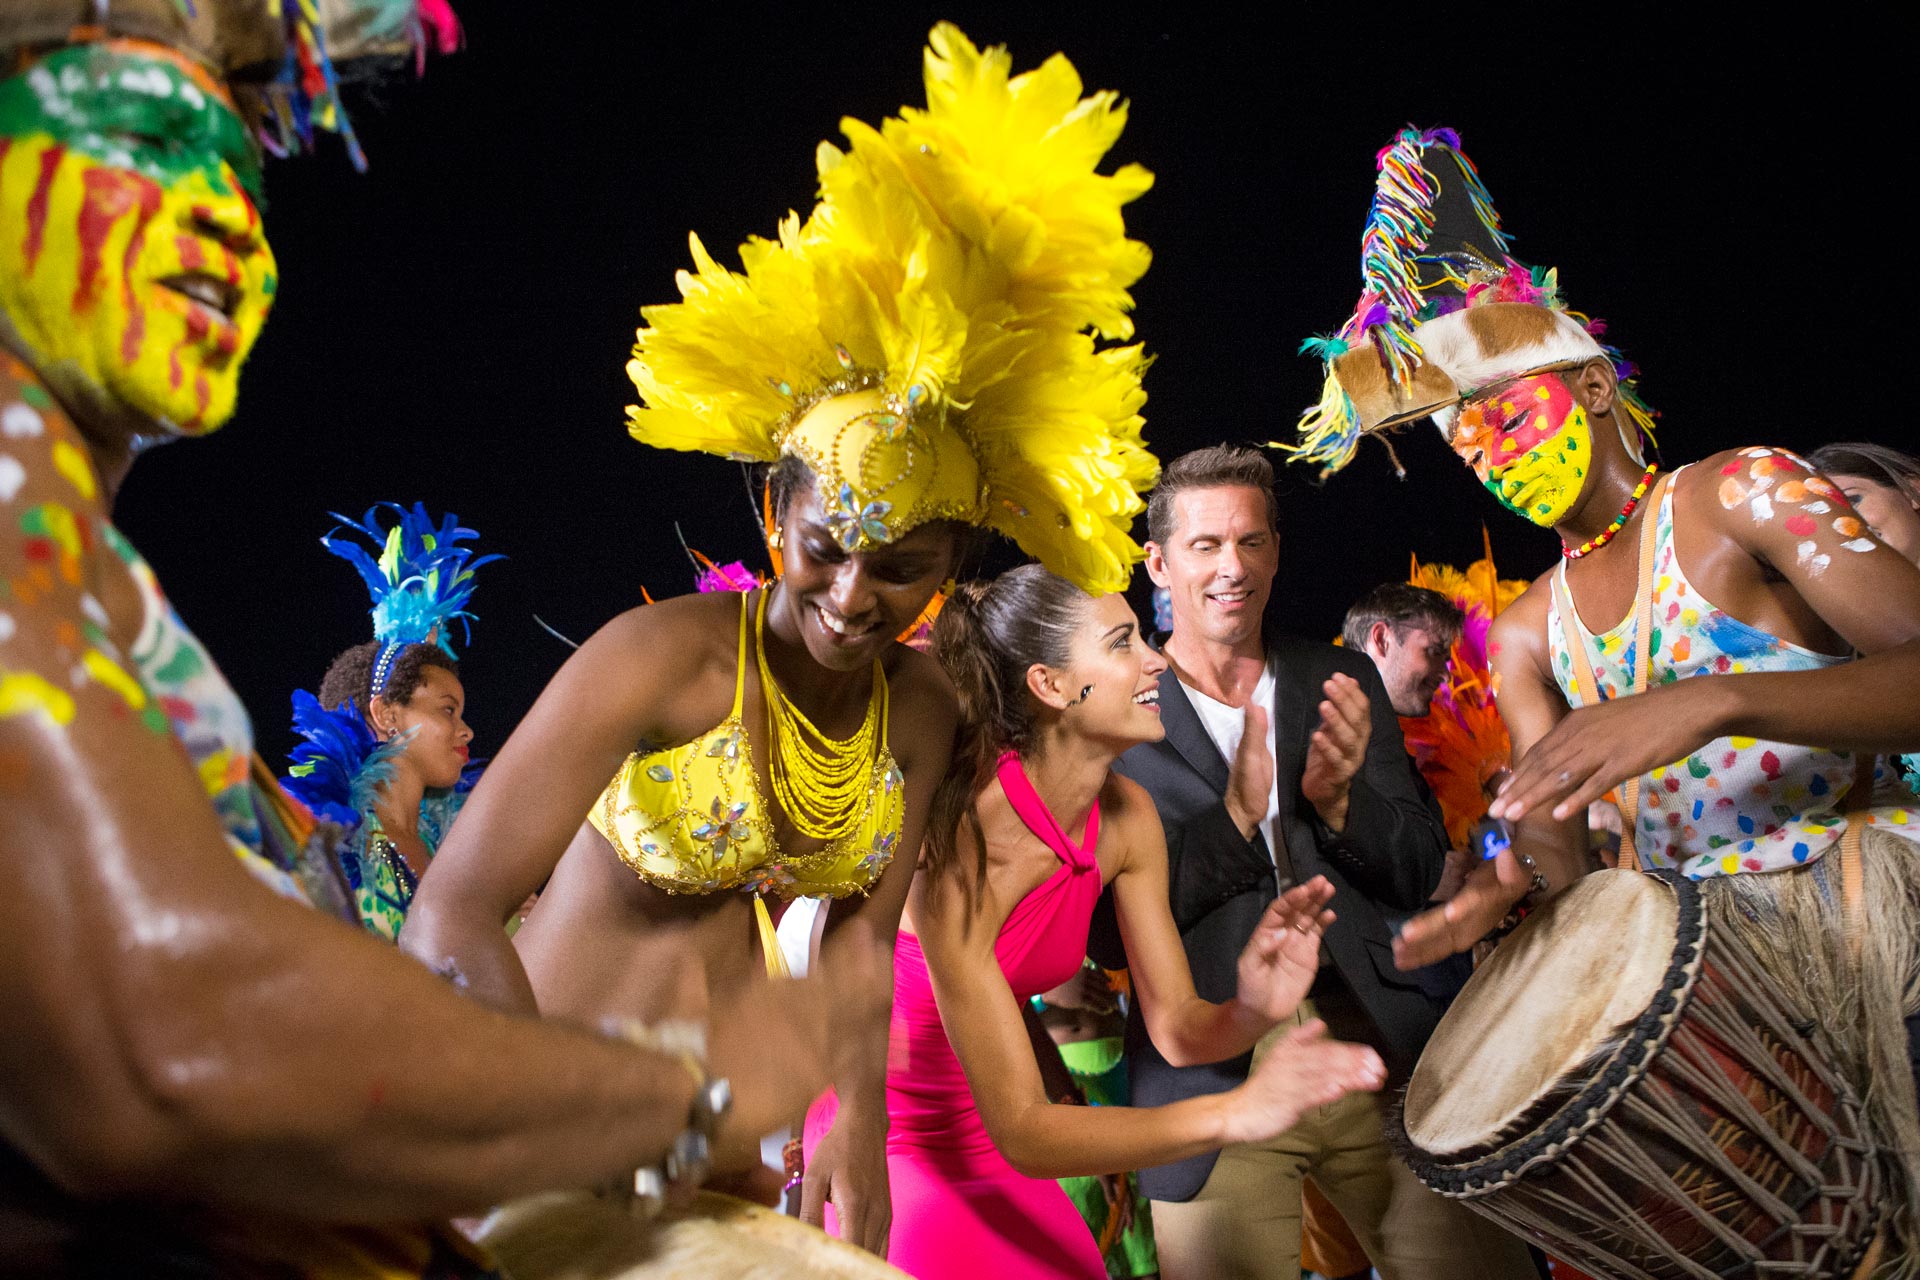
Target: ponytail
987,636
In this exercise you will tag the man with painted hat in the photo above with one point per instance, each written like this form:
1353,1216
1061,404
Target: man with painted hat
1762,787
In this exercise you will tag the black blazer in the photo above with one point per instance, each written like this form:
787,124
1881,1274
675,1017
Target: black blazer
1383,865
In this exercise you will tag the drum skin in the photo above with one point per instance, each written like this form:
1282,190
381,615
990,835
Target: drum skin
585,1237
1699,1131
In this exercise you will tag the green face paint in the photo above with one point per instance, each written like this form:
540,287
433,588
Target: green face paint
134,111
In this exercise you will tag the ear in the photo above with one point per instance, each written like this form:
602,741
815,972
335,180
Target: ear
1048,686
382,717
1156,564
1594,385
1377,637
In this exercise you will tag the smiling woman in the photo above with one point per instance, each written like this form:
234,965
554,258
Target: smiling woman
913,359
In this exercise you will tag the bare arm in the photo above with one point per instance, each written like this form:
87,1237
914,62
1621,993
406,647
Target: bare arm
1047,1140
165,1008
1531,704
1276,969
850,1164
1827,572
615,691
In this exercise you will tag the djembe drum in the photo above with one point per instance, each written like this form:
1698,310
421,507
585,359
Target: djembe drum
582,1237
1622,1084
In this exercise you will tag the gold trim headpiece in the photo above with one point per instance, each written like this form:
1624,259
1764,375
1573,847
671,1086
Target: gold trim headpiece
925,340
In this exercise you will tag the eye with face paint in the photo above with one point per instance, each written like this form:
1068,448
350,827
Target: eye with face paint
131,252
1530,443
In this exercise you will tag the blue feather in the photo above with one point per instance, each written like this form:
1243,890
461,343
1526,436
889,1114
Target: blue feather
340,764
418,575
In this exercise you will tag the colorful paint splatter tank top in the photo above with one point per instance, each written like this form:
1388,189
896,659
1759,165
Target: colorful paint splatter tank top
1738,804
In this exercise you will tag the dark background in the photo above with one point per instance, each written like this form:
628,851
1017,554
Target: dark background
453,325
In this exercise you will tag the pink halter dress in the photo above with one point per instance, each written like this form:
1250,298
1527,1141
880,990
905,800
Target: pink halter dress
959,1209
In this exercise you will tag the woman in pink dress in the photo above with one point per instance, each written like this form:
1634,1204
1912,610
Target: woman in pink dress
1055,684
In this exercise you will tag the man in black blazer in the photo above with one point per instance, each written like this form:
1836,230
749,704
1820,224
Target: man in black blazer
1283,760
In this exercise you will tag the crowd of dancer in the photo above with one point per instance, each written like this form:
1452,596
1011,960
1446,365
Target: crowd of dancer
753,864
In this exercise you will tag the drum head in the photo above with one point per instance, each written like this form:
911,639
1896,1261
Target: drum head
1580,970
582,1237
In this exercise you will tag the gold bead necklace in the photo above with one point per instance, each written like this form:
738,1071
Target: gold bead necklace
822,788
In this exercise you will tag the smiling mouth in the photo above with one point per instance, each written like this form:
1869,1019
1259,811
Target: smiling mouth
1148,697
1230,597
216,295
840,627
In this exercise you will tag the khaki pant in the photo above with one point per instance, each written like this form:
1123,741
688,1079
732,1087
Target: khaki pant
1245,1221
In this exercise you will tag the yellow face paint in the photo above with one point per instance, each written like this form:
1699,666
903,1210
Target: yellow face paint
1531,445
131,255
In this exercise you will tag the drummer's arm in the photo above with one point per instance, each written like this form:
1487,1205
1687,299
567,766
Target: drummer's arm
1531,704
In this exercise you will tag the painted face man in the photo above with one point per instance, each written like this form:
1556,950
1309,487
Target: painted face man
134,272
1530,443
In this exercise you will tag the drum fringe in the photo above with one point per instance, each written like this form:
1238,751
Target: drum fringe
1862,1012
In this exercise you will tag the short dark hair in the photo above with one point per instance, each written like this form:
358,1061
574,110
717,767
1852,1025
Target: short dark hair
349,680
1870,462
1217,467
1402,606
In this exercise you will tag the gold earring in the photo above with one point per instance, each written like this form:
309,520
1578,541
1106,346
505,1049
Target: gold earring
775,538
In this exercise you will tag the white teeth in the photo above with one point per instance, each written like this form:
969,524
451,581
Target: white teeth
838,626
1151,695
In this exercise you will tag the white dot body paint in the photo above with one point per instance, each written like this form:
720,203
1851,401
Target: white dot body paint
12,476
1859,544
1815,508
6,627
1762,504
21,422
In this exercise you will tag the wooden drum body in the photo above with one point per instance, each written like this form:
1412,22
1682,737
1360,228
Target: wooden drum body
582,1237
1622,1084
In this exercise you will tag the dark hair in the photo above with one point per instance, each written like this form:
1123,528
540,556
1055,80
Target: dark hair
1218,467
987,636
350,677
1401,605
1871,462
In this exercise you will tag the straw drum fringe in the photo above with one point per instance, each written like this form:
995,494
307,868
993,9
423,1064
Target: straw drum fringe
1793,923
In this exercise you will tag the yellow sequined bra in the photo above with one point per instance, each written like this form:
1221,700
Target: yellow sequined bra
692,819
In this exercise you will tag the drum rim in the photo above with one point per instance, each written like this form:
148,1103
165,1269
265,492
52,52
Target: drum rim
1488,1170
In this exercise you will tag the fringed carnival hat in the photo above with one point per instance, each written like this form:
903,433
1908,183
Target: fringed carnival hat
282,62
1444,312
926,340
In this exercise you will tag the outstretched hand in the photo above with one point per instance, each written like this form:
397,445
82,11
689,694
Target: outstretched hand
1304,1070
1280,959
1595,748
1469,915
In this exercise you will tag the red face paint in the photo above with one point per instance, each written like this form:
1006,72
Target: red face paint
37,204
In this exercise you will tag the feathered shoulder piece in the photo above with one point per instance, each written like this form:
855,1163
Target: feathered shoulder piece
927,339
338,764
419,575
1444,308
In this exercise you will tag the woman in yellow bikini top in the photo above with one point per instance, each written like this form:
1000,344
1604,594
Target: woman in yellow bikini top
692,818
921,354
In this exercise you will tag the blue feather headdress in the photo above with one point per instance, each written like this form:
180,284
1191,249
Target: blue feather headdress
420,580
339,764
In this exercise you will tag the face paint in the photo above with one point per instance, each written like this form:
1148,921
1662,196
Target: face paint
131,254
1530,443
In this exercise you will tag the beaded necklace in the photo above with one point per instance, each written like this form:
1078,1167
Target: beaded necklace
1619,521
821,787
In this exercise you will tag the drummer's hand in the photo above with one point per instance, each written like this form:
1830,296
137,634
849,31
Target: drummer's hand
1304,1070
776,1042
1282,956
849,1167
1469,915
1595,748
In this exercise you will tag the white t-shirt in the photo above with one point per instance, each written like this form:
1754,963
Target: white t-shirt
1225,725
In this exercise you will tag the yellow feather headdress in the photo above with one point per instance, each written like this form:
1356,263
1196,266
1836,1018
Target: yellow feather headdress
926,340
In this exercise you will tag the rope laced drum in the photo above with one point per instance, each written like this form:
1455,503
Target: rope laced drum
583,1237
1622,1083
